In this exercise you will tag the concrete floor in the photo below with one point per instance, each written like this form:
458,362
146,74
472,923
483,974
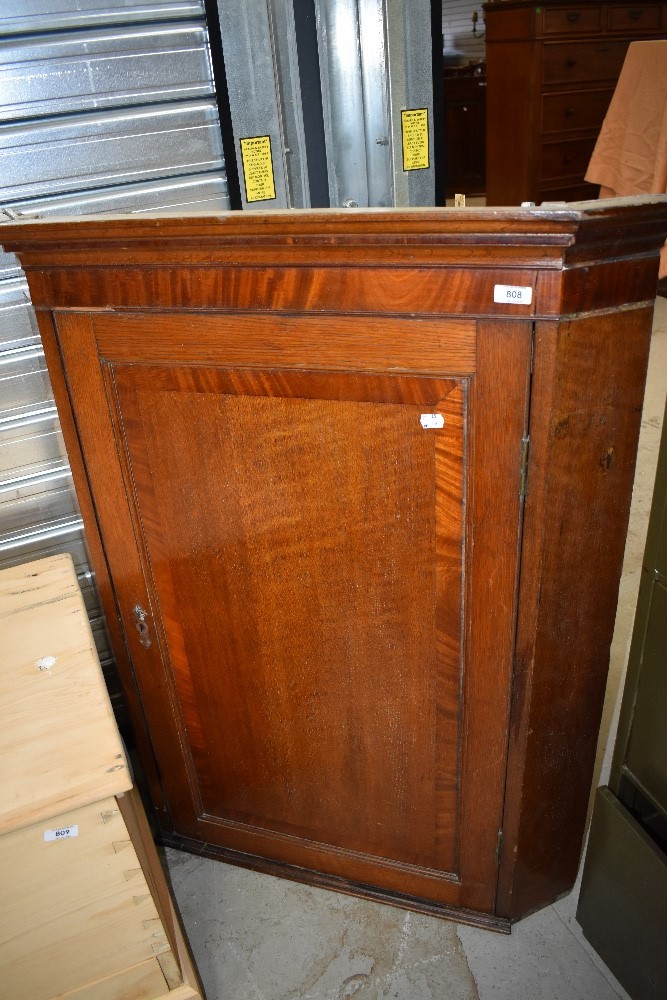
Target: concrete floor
255,937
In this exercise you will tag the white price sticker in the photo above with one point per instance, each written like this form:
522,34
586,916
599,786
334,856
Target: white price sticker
62,833
516,295
432,421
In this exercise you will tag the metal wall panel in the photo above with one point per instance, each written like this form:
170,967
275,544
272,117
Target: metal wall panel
288,88
411,86
102,69
109,147
102,109
30,16
262,77
355,105
375,61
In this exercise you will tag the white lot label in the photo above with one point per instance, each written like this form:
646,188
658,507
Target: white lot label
62,833
432,421
520,295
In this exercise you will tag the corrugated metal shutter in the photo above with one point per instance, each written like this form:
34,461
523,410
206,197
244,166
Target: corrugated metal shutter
103,109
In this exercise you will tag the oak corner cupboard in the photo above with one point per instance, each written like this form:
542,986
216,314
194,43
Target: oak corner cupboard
356,486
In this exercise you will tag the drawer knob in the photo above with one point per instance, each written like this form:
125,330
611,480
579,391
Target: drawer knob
569,112
635,14
570,63
573,16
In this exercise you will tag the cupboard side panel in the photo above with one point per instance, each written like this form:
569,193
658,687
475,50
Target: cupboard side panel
585,419
98,559
510,70
500,403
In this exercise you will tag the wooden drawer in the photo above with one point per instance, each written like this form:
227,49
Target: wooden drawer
140,982
635,18
572,20
464,89
76,910
572,191
572,110
580,62
566,159
513,22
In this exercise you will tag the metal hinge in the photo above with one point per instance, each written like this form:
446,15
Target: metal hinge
523,474
499,844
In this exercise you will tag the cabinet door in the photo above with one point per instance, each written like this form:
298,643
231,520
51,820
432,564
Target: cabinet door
323,655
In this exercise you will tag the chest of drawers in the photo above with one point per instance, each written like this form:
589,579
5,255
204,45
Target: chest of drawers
551,72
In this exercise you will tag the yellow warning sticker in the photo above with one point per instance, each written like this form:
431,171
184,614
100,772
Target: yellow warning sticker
258,168
414,126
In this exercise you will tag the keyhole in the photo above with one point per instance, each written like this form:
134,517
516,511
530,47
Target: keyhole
142,626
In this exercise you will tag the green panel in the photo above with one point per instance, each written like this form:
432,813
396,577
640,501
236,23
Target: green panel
646,756
646,680
655,556
661,553
623,901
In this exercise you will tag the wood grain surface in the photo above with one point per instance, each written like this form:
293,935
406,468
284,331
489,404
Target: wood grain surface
309,687
58,738
341,343
369,666
587,400
270,447
49,913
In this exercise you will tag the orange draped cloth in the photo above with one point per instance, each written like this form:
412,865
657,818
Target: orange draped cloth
630,156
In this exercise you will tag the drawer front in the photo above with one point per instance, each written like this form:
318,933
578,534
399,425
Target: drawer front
574,110
75,909
579,62
465,88
566,159
574,191
572,20
635,18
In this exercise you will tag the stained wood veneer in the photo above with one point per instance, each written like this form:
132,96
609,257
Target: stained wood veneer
376,659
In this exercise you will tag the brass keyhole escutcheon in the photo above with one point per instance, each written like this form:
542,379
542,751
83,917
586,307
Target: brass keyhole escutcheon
141,626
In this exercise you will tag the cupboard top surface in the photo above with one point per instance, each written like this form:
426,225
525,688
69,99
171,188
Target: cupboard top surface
416,262
58,739
558,221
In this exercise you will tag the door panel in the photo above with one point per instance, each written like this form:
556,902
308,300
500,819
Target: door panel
301,545
310,603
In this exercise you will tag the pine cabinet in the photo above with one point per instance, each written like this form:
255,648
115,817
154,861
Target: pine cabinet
356,487
86,911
